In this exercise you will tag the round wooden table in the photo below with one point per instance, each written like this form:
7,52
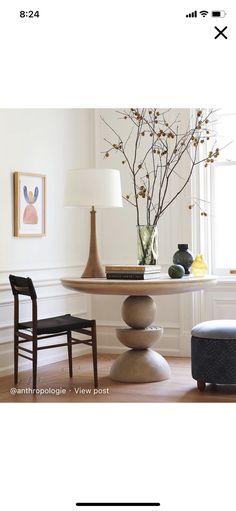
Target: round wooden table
140,364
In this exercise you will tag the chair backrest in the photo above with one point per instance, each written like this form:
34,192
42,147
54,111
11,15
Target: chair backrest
22,286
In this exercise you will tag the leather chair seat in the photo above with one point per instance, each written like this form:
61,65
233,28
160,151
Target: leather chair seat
57,324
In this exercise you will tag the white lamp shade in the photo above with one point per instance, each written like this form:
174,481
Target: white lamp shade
93,187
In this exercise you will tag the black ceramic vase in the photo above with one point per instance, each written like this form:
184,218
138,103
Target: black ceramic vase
184,257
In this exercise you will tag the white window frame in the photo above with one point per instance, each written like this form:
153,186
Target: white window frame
217,270
201,225
202,186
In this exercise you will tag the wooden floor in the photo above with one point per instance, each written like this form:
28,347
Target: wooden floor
53,378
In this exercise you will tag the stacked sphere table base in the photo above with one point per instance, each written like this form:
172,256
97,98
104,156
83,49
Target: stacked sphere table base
140,364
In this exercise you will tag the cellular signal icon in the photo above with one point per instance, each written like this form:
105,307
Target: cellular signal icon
192,14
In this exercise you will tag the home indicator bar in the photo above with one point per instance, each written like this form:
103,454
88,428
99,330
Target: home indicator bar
118,504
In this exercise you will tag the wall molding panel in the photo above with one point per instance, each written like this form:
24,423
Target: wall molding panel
220,302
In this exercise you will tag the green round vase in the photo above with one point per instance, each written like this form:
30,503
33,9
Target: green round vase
184,257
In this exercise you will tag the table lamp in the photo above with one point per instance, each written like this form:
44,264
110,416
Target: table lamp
94,188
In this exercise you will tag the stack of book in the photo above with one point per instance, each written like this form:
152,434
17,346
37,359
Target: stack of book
132,272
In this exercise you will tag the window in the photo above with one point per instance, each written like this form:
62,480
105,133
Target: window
223,197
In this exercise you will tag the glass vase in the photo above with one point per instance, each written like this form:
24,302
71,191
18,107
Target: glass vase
147,244
184,257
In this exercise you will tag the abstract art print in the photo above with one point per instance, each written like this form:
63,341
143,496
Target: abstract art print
29,204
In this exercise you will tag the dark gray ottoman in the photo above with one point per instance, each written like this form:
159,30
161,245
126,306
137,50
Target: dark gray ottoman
213,347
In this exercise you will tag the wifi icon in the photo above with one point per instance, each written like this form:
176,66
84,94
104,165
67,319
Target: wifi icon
204,13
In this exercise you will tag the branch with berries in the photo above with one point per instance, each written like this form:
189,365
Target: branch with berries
153,152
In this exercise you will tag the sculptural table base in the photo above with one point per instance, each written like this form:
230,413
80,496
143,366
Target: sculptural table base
140,364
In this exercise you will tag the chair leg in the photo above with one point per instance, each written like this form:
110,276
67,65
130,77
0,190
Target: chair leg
94,348
15,360
201,385
35,360
69,353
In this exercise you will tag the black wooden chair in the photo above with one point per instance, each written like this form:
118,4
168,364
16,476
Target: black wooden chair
37,329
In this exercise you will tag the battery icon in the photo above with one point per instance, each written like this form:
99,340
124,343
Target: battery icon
218,14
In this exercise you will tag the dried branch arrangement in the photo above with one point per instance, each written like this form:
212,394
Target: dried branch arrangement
152,153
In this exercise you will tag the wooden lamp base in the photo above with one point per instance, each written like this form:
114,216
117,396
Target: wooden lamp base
93,267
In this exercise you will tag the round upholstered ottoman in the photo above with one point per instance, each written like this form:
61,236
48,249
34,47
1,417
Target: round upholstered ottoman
213,347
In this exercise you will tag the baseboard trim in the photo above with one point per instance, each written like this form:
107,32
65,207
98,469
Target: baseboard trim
24,365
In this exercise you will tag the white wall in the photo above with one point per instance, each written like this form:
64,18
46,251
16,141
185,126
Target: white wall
50,142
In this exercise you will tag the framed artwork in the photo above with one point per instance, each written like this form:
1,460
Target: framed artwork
29,204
